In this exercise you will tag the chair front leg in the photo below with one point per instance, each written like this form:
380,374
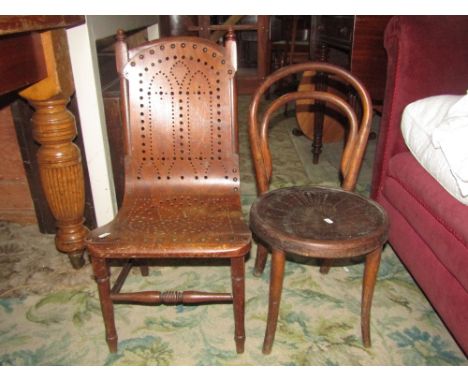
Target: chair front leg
238,295
102,276
276,286
370,276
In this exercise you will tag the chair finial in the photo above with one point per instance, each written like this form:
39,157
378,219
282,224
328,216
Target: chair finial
230,36
120,35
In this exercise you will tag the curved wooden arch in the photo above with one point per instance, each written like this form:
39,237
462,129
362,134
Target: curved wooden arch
312,95
353,154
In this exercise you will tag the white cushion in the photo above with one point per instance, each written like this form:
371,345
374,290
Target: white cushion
419,122
452,137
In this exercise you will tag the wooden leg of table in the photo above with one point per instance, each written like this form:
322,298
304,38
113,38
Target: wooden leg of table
260,260
102,275
318,133
61,173
276,286
238,295
319,119
370,276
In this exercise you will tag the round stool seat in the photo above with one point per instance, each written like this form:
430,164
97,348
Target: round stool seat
319,222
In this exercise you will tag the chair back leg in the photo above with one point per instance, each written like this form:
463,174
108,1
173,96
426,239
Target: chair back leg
260,260
371,269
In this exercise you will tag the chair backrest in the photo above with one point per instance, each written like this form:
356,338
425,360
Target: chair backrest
178,104
358,131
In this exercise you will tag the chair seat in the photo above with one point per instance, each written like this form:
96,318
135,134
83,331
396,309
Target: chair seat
183,226
318,221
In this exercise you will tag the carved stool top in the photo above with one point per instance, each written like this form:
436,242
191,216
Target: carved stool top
318,221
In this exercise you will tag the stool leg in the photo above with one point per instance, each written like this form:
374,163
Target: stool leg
102,275
144,269
286,109
325,266
370,276
260,260
238,296
276,286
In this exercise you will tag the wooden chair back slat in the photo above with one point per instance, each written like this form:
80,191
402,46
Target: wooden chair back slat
179,112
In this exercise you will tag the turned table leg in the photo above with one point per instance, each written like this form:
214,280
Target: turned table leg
59,159
61,174
260,260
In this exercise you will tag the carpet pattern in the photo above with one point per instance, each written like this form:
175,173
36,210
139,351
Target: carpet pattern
50,313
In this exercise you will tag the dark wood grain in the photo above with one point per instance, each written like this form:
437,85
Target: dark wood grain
177,25
368,58
20,24
319,222
21,67
355,43
15,201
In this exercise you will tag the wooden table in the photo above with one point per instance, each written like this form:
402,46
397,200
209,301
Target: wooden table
35,63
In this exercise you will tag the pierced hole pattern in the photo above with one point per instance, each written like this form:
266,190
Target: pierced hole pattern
180,116
162,220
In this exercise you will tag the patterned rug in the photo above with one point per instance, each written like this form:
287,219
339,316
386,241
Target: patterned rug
50,313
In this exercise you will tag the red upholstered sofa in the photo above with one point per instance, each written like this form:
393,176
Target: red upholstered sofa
427,55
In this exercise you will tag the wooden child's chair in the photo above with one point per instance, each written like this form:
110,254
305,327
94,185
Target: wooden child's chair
319,222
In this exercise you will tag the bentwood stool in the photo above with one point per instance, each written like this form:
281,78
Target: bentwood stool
319,222
182,198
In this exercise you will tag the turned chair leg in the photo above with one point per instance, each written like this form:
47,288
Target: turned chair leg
276,286
370,276
238,296
260,260
102,276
